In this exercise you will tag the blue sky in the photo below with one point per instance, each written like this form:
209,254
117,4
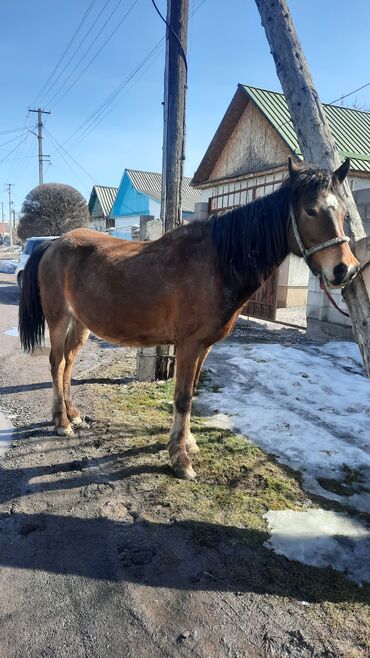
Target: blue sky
227,45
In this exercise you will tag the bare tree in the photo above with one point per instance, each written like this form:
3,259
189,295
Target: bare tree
52,209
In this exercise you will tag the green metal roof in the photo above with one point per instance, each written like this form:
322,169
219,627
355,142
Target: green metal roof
350,128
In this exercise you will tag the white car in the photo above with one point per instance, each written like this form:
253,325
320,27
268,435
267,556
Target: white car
29,247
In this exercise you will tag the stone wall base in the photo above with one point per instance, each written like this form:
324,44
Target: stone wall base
322,331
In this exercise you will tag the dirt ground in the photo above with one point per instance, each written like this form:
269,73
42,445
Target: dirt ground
103,553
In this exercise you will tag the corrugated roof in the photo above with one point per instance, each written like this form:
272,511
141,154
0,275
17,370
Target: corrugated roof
350,128
106,196
150,183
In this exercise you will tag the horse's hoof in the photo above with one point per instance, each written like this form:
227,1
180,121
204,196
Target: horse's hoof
82,425
184,473
64,431
181,466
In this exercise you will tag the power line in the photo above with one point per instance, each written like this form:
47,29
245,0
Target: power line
12,130
349,94
69,155
101,112
78,48
98,115
97,53
13,139
106,106
60,60
23,157
14,149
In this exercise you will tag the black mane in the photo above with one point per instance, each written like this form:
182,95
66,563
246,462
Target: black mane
253,239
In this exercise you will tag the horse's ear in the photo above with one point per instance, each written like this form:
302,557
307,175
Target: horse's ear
293,167
342,172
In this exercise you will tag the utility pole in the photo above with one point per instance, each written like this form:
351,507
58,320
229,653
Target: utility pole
9,186
315,140
2,211
40,112
175,87
159,362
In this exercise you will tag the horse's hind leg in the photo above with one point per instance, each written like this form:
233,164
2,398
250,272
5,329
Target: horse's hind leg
191,444
180,438
200,362
58,331
76,338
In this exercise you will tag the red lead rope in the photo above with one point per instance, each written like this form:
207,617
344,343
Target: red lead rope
330,298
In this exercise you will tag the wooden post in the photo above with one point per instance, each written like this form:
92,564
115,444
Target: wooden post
174,109
160,362
315,139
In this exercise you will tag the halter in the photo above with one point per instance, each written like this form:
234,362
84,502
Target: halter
306,253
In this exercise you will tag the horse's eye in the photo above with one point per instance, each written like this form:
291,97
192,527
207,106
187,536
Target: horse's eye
347,217
311,212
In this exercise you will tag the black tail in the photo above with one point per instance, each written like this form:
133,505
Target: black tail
31,315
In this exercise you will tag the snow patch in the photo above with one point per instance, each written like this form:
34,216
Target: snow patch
6,430
307,405
13,331
219,421
322,538
7,266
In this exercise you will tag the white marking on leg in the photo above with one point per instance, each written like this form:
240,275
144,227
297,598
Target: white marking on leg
191,444
177,424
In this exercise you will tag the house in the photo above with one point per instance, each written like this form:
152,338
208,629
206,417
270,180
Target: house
139,194
248,156
100,205
4,228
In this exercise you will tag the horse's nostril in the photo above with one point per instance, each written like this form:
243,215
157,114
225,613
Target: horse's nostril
340,272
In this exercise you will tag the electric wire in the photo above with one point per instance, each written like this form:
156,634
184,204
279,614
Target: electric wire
13,149
23,158
79,46
65,51
103,109
100,113
69,155
13,139
349,94
97,53
12,130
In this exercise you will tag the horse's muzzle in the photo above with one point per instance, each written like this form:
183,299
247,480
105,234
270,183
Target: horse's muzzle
343,274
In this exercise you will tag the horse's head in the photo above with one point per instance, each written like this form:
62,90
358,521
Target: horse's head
317,226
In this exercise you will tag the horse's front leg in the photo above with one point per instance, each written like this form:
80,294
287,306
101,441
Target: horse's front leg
181,442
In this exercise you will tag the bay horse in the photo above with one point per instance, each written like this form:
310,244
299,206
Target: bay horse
185,289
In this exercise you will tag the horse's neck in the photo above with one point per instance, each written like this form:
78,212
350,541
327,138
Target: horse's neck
272,245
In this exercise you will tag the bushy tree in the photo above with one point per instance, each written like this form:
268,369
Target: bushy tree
52,209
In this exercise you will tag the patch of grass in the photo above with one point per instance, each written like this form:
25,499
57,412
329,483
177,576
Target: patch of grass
237,483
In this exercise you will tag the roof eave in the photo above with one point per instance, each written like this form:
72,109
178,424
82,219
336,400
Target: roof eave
220,138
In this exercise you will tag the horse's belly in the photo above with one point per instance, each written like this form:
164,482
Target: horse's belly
142,330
